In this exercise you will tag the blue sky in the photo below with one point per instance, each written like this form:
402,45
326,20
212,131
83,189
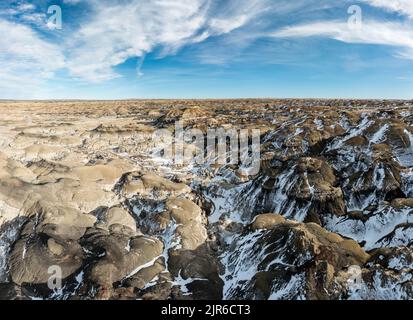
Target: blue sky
119,49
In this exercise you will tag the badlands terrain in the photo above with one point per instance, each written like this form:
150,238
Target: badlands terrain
329,215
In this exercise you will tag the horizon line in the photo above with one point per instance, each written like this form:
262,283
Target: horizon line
206,99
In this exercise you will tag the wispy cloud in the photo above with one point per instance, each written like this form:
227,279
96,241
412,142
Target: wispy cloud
122,30
72,1
399,35
25,59
26,6
24,12
404,7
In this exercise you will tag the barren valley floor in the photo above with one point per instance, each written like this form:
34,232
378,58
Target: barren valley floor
85,193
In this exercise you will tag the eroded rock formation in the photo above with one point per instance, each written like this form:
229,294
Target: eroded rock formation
328,216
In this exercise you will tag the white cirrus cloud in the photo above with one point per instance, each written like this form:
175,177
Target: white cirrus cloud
396,34
26,60
119,30
25,7
71,1
404,7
